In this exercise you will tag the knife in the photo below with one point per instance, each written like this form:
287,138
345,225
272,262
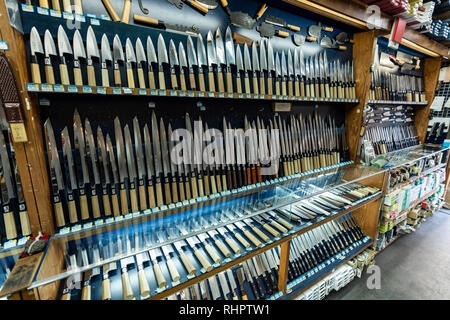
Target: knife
192,62
169,255
165,160
50,50
241,278
257,270
78,53
212,61
181,249
123,171
126,11
224,285
270,67
248,68
131,163
92,51
178,159
130,61
264,69
246,231
297,73
252,278
115,175
201,55
118,56
229,156
207,244
63,48
255,68
277,74
107,269
290,74
151,59
220,54
141,60
36,47
196,248
215,293
106,55
157,156
317,80
240,68
173,58
141,261
192,148
140,159
284,74
210,169
127,289
173,169
91,156
230,57
150,168
183,65
104,172
162,58
233,284
281,23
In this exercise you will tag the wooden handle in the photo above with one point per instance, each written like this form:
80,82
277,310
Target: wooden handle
173,270
235,297
316,90
261,11
342,48
145,20
151,197
105,78
95,207
187,264
55,5
126,11
183,82
224,182
174,81
143,283
159,196
253,239
220,82
162,80
327,90
106,205
130,78
49,75
255,86
302,89
262,89
198,6
78,6
204,262
168,197
59,216
261,234
242,240
224,3
277,88
283,88
269,86
84,207
91,76
182,192
43,4
229,82
134,201
112,13
201,189
174,192
271,230
126,287
192,84
123,201
67,7
77,76
282,34
293,28
64,74
35,73
328,29
233,245
117,78
25,223
106,289
211,84
290,88
142,198
238,85
212,253
247,84
218,184
115,205
160,280
194,187
297,88
86,293
285,223
213,185
223,248
151,80
244,297
322,90
66,296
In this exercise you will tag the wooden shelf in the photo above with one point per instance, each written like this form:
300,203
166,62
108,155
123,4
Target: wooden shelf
424,173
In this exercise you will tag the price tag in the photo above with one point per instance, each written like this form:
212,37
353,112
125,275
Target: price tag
162,93
248,95
87,89
105,17
22,241
72,89
230,95
173,93
55,13
45,87
109,220
87,225
59,88
95,22
98,222
211,94
43,11
117,91
64,230
68,15
127,90
10,244
101,90
178,204
153,92
136,214
192,201
155,209
27,7
240,96
182,93
163,207
76,228
185,202
191,94
221,95
80,18
119,218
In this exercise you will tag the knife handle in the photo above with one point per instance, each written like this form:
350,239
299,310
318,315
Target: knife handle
124,201
254,176
238,83
182,81
35,71
279,226
77,76
233,245
106,289
224,181
327,90
282,34
347,94
203,261
55,5
130,78
277,87
67,7
212,253
25,223
159,195
126,11
201,191
218,183
162,80
10,223
84,207
151,80
201,79
302,88
229,81
142,198
141,79
322,89
86,293
308,89
297,88
126,286
173,270
105,77
316,89
213,184
174,81
261,234
223,248
194,187
271,230
91,76
247,84
79,7
198,6
187,189
258,173
220,83
293,28
187,263
335,92
95,206
211,84
167,194
290,88
64,74
354,91
285,223
229,179
43,4
49,75
242,240
143,283
182,193
174,192
206,184
106,205
253,239
115,205
112,13
192,83
134,201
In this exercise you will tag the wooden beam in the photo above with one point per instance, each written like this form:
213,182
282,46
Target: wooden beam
419,41
284,264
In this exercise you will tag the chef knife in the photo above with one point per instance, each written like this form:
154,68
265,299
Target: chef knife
141,61
106,55
50,51
36,47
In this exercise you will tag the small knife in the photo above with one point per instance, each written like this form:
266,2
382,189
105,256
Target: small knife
141,61
78,53
92,52
36,47
50,50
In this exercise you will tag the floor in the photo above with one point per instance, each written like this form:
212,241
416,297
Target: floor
415,266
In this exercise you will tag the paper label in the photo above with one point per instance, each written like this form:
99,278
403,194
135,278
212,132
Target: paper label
27,7
117,91
80,18
68,15
87,225
59,88
105,17
101,90
72,89
95,22
43,11
87,89
127,91
45,87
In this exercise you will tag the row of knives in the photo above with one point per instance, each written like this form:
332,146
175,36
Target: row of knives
203,248
389,115
221,62
389,138
96,180
388,86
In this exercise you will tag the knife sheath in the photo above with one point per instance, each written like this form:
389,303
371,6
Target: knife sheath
143,283
211,84
253,239
247,83
255,84
10,224
238,82
229,80
220,82
112,13
212,253
43,4
126,11
59,217
187,263
91,75
172,270
203,261
86,292
126,286
141,79
222,248
142,197
79,7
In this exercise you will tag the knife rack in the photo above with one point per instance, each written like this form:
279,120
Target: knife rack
31,156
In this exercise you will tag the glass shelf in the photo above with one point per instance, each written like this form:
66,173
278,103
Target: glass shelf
401,157
8,258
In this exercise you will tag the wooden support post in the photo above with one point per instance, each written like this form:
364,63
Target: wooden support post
284,264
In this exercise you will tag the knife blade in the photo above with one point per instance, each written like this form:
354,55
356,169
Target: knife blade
118,58
64,48
162,59
290,74
248,68
91,156
183,65
140,160
36,47
71,177
220,53
277,74
116,184
256,69
165,160
192,147
123,170
240,68
173,58
130,57
297,74
151,59
141,60
50,50
157,156
150,167
78,53
173,169
201,55
264,68
106,55
104,172
230,58
192,62
212,61
92,52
